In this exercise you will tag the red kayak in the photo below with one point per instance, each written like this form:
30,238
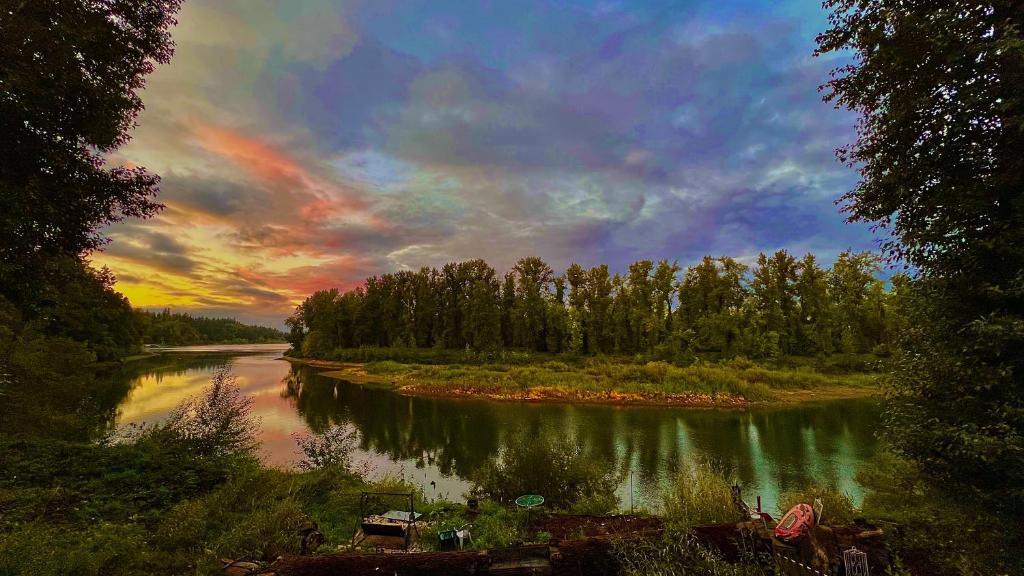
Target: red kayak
795,523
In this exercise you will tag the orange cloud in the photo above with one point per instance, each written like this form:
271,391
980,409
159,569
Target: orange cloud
274,166
250,153
344,271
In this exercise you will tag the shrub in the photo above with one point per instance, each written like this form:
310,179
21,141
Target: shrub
656,371
550,464
935,532
387,367
699,494
595,504
499,527
331,449
217,423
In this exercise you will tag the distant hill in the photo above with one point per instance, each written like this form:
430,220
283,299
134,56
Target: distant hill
175,329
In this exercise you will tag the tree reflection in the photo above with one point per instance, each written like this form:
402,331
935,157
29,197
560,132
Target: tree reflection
774,449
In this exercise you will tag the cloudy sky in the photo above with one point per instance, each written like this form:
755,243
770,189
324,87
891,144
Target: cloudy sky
306,144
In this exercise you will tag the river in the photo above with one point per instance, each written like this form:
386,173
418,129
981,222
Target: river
441,440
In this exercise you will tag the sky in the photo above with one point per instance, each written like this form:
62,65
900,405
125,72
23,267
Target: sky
308,144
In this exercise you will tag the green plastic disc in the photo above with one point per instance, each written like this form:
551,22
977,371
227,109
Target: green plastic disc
529,500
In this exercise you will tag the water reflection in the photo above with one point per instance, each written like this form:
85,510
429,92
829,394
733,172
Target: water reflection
443,440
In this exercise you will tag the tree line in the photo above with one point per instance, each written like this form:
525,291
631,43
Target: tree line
781,306
182,329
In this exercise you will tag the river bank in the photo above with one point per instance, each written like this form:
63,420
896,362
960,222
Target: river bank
728,385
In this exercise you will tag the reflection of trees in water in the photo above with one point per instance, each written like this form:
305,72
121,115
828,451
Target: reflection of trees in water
402,427
787,447
175,365
129,375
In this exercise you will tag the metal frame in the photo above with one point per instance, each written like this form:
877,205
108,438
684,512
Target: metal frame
410,524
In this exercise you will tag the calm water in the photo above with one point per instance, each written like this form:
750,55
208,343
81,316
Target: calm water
443,440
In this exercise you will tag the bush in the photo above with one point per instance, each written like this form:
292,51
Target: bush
331,449
386,367
934,532
499,527
656,371
217,423
550,464
595,504
699,494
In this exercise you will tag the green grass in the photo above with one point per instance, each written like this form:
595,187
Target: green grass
137,509
699,494
623,379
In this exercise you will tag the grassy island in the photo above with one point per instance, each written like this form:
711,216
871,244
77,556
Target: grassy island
732,383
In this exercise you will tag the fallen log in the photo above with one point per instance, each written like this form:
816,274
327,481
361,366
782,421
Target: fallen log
417,564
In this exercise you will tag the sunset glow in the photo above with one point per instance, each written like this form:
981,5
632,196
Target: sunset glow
304,145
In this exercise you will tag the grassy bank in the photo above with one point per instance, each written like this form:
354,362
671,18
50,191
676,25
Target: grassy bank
147,509
622,381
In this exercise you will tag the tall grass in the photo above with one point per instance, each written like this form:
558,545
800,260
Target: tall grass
837,506
679,556
699,494
596,377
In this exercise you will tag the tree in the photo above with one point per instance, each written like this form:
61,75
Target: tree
664,284
599,303
557,322
789,308
70,73
578,311
508,302
641,305
80,303
483,314
533,284
773,288
814,328
940,150
851,284
711,296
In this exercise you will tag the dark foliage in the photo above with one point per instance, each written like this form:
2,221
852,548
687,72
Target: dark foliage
70,73
786,307
940,150
177,329
79,302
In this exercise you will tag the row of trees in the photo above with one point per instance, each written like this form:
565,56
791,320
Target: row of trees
178,329
784,305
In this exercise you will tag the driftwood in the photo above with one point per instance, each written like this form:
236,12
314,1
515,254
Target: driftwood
585,557
822,548
239,567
